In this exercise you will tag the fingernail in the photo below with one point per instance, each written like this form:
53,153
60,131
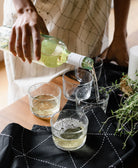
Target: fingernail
14,53
38,58
30,61
23,59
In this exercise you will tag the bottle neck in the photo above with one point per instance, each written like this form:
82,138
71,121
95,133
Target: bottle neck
75,59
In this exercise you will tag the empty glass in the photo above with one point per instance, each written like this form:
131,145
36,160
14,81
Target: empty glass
92,102
44,99
77,82
69,129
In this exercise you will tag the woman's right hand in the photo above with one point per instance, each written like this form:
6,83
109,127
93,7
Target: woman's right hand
28,26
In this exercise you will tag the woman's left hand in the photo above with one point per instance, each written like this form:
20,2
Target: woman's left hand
117,52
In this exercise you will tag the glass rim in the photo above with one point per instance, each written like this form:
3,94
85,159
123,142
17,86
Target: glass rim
94,103
96,67
102,100
42,83
51,122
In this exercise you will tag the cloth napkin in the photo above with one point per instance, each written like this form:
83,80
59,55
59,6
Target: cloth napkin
23,148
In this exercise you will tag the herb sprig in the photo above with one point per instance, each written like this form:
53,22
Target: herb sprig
127,114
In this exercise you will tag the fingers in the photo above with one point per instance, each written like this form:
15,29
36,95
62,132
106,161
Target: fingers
26,43
27,25
36,42
19,44
12,41
16,43
25,28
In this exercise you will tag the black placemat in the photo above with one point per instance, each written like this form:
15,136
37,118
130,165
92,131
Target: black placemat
34,148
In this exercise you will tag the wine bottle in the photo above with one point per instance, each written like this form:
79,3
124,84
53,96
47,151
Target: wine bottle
53,51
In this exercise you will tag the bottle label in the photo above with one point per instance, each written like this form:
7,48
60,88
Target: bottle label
75,59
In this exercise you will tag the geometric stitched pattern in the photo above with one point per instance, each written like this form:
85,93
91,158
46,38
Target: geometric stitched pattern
35,148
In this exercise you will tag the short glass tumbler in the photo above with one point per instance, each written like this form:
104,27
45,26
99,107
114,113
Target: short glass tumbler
69,129
77,82
44,99
92,103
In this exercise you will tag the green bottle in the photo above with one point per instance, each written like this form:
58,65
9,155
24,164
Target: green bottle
53,51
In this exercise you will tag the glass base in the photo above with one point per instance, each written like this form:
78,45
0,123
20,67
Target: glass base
70,149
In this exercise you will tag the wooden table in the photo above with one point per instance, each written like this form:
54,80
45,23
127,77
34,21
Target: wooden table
20,113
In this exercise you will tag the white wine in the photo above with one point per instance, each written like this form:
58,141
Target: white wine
53,51
71,134
44,106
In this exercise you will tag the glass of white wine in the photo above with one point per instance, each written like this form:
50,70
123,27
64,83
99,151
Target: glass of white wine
44,99
69,129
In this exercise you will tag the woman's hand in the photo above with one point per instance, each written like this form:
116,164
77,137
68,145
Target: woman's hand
117,51
27,26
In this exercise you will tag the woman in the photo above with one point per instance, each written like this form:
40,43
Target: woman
79,24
